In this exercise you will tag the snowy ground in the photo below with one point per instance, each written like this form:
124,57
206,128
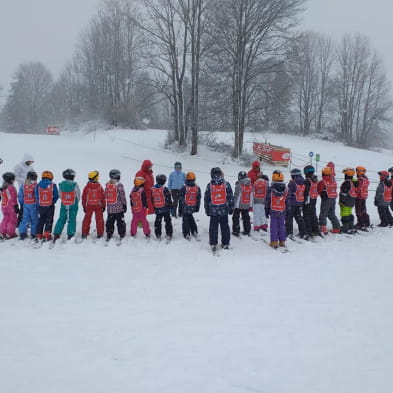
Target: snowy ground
151,317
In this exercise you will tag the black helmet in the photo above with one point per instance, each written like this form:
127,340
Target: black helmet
308,169
69,174
9,177
161,179
31,175
114,174
295,172
216,173
241,175
177,164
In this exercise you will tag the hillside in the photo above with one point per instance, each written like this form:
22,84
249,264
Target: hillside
151,317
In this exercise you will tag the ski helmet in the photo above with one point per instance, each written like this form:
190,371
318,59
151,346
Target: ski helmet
47,175
190,176
361,170
390,169
295,172
178,165
114,174
138,181
277,176
93,176
31,175
161,179
9,177
349,172
241,175
308,169
216,173
69,174
383,174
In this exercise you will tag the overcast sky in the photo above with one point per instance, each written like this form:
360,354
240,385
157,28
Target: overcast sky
47,30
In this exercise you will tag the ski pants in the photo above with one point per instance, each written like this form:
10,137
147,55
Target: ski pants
158,224
361,214
189,225
175,202
99,215
120,223
347,218
258,215
8,224
385,216
328,210
295,212
221,221
310,217
45,220
67,215
30,216
277,227
139,217
236,221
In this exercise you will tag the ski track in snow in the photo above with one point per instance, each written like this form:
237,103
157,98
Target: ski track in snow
150,316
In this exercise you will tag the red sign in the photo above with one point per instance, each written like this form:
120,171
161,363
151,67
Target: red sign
272,154
53,130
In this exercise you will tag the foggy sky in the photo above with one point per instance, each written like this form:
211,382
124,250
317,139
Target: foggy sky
47,30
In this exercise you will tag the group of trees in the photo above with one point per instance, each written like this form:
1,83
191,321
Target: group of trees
188,65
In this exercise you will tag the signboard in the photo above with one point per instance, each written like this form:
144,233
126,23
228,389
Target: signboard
53,130
311,154
274,155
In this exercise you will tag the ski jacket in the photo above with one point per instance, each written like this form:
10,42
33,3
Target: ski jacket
311,188
363,184
327,187
348,193
383,194
138,199
296,189
242,198
260,188
119,205
147,174
46,193
186,198
93,195
22,169
254,173
27,195
161,199
277,200
69,193
176,180
8,195
226,205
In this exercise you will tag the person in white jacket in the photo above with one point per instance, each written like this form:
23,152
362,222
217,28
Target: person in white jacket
23,168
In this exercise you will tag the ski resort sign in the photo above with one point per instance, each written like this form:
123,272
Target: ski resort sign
53,130
272,154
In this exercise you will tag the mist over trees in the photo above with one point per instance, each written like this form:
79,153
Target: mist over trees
191,65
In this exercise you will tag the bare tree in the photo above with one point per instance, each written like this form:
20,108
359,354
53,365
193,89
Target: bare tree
364,102
27,108
246,33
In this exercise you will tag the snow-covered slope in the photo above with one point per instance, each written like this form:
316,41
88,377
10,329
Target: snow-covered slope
151,317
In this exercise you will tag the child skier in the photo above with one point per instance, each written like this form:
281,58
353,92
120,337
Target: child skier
276,205
69,194
190,200
175,184
310,202
46,194
363,219
259,190
116,204
93,201
347,199
27,199
218,202
162,202
242,201
255,172
9,206
138,207
296,189
383,198
327,189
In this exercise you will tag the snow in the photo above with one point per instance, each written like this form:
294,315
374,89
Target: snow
151,317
